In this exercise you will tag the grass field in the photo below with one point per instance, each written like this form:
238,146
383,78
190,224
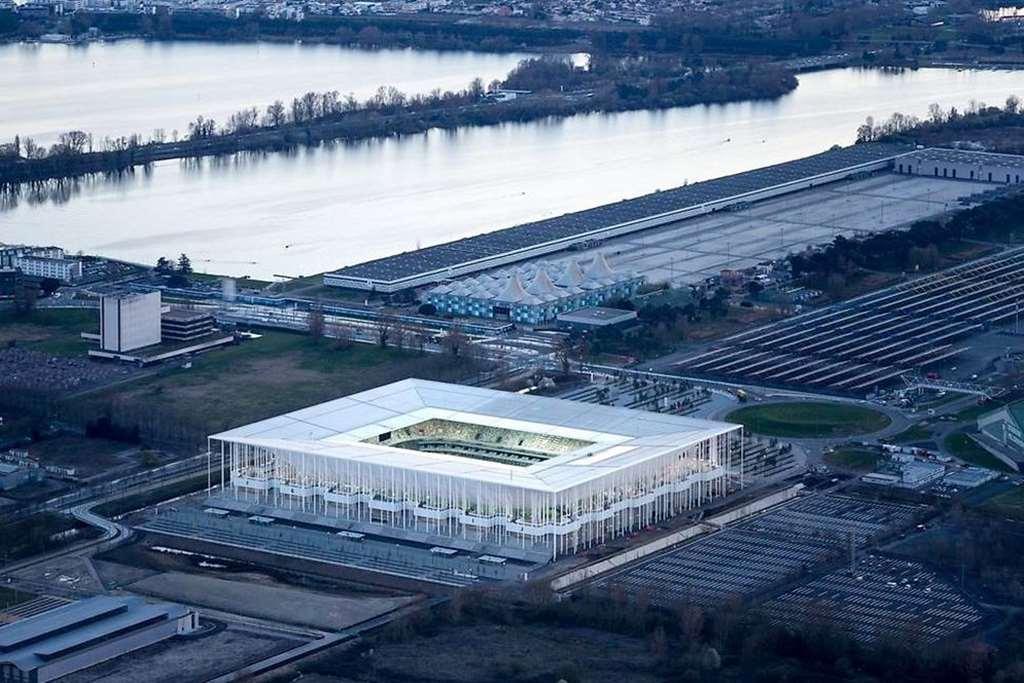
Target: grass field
53,330
1007,504
800,420
276,373
972,413
853,458
914,434
88,456
964,447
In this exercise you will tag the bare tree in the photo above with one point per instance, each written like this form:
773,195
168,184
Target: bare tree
343,336
316,324
25,296
384,326
565,353
276,114
202,127
399,334
242,121
456,343
32,150
72,142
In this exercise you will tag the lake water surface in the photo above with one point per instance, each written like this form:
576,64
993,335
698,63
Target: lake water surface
136,86
319,209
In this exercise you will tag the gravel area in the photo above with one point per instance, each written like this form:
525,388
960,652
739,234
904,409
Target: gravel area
259,596
187,660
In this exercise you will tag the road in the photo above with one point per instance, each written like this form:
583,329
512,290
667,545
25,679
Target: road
122,487
329,640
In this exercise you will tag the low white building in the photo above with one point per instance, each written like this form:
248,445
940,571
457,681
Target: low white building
42,262
52,644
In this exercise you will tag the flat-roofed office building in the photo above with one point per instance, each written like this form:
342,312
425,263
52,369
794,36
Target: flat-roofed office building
129,321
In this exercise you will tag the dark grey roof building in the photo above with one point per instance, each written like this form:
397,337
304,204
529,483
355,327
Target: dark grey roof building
511,245
84,633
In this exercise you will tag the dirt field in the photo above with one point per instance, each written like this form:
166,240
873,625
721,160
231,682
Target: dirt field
257,595
468,654
89,457
60,575
191,660
737,319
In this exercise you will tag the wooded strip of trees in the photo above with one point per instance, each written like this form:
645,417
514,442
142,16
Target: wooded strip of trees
916,249
731,641
943,124
562,90
721,31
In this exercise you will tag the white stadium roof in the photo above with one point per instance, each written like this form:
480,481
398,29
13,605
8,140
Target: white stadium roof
616,437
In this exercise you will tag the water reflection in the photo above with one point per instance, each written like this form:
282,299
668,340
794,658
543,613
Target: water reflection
306,210
133,86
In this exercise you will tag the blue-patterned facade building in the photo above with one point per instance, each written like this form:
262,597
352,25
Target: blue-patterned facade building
535,293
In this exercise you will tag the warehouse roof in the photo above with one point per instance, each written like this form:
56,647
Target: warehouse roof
527,235
962,156
37,640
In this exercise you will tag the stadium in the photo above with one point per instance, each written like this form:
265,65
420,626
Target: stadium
503,469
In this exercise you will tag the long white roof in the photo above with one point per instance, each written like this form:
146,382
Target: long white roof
618,437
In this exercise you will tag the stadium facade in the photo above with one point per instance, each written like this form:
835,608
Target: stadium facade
536,292
480,464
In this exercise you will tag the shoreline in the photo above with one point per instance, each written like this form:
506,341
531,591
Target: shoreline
350,127
567,49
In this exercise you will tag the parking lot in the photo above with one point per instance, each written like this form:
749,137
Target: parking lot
756,555
856,346
43,372
883,598
688,251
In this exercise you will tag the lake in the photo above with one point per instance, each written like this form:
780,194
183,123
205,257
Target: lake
136,86
319,209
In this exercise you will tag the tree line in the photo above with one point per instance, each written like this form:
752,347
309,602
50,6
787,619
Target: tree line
919,248
316,116
730,641
942,123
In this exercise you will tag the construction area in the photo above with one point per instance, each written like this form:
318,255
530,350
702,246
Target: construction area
862,344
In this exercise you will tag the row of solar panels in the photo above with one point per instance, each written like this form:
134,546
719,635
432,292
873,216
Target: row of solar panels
530,234
875,338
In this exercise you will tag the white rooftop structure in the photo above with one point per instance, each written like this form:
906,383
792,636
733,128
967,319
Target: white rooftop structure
535,292
464,461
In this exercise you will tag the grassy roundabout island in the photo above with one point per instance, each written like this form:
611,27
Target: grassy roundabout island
809,420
